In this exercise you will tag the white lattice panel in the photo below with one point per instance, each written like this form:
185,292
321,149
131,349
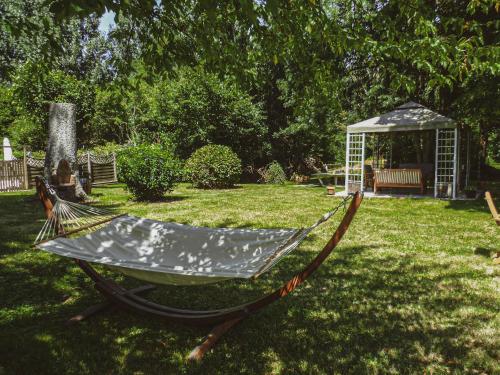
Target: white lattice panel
355,156
446,160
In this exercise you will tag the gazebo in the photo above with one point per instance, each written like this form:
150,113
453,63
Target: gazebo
409,117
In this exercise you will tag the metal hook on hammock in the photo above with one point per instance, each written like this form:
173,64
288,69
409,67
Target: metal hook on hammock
49,189
344,203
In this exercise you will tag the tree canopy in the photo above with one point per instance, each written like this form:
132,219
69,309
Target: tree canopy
277,80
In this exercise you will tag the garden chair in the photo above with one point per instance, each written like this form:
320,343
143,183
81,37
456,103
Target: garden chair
331,171
491,205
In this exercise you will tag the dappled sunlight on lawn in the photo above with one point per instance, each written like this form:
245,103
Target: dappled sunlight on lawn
406,291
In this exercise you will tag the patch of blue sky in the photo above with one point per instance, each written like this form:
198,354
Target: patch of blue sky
107,22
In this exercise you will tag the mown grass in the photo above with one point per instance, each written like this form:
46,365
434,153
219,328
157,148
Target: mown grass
411,289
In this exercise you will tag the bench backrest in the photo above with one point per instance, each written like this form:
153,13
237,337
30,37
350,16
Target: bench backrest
398,176
332,168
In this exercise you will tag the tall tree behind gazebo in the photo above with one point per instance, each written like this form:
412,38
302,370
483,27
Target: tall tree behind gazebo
62,143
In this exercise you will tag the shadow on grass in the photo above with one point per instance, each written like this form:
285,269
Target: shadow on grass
164,199
96,195
478,205
487,253
109,186
203,190
354,315
362,311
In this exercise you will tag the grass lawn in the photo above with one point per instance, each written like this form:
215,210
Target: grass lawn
411,289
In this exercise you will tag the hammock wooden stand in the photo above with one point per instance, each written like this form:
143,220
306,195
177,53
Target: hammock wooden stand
222,319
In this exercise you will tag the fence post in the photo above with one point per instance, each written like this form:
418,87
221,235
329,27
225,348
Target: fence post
25,169
114,167
89,165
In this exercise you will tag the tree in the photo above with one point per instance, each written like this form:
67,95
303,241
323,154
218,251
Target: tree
197,108
34,89
7,109
315,66
62,143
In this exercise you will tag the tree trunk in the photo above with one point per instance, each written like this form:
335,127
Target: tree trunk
62,142
417,144
427,147
483,151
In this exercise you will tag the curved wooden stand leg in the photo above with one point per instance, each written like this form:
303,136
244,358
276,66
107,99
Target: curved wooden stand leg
92,310
211,339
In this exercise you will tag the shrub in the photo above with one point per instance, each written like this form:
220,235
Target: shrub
273,173
214,166
149,171
104,149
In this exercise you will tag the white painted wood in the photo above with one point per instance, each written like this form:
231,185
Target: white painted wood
436,165
7,150
89,165
362,188
347,156
455,162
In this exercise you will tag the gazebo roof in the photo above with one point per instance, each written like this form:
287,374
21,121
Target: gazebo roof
407,117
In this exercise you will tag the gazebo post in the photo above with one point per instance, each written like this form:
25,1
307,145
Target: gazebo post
455,163
436,165
346,179
467,168
377,152
363,145
391,141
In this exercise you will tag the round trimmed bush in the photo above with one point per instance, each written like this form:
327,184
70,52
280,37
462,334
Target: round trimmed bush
148,170
214,167
273,174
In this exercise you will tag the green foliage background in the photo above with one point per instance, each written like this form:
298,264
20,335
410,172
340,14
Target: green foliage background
272,80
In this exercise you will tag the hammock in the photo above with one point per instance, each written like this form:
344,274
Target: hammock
166,253
171,253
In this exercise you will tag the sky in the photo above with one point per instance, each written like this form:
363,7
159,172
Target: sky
107,20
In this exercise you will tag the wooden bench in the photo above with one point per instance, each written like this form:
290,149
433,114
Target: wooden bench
398,178
491,205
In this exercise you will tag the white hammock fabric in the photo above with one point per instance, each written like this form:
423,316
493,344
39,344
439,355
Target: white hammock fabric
171,253
163,252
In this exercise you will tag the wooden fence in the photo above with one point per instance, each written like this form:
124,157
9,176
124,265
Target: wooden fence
13,175
100,168
20,174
